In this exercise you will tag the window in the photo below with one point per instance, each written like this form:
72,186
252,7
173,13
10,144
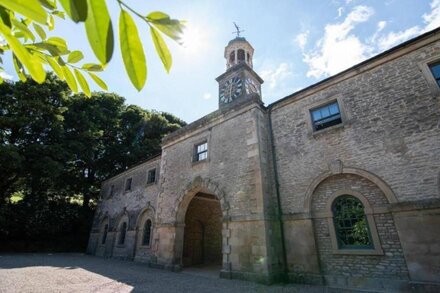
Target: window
104,234
435,69
122,233
147,233
326,116
201,152
351,224
232,57
112,190
151,178
128,184
240,55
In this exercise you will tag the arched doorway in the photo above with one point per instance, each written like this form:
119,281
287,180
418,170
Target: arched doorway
202,241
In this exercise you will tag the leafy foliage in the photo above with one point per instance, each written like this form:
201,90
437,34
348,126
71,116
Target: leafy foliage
21,21
56,148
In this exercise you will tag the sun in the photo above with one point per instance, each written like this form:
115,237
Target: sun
195,39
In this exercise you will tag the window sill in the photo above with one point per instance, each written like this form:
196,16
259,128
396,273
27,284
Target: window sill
316,133
199,162
358,251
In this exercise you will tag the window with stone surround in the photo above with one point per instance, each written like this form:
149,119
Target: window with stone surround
435,70
128,184
112,190
146,239
104,234
326,116
122,233
201,152
151,177
351,225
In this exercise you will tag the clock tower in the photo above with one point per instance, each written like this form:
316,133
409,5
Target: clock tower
240,82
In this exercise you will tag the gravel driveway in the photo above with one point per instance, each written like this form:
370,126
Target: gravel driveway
84,273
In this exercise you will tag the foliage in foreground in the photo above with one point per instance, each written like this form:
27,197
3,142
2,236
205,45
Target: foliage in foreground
24,27
56,148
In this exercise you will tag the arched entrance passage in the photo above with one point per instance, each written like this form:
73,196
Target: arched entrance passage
202,239
201,190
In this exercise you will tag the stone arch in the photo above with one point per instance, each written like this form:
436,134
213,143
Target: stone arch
381,184
147,213
105,220
203,185
199,184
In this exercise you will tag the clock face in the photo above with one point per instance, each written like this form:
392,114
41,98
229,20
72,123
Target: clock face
231,90
251,86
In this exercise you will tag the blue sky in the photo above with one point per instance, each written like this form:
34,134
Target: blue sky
297,43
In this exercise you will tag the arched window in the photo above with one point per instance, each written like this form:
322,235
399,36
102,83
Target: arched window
147,233
232,57
240,55
104,234
122,233
351,224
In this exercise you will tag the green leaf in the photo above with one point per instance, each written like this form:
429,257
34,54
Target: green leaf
49,4
23,28
18,68
32,64
60,14
56,67
173,28
59,43
40,31
82,82
132,50
161,49
5,17
99,30
98,81
92,67
75,56
75,9
51,22
28,8
70,79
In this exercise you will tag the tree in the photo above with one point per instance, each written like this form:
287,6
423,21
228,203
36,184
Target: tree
24,24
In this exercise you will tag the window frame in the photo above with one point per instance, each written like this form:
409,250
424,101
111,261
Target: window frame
143,233
196,153
122,233
315,124
368,211
345,121
128,187
149,177
425,68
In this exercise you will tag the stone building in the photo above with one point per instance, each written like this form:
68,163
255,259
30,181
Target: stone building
337,184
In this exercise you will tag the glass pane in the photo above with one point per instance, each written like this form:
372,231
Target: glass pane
316,115
436,70
334,109
325,111
351,223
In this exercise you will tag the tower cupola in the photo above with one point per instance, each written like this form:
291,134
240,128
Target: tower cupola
238,51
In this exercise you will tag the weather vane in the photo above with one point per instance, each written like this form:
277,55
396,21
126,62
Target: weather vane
238,30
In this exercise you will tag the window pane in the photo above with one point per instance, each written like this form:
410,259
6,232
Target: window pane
325,111
334,109
351,223
316,115
436,70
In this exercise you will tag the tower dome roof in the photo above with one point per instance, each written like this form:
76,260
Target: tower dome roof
236,39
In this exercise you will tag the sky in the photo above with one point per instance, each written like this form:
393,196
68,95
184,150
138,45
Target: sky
297,43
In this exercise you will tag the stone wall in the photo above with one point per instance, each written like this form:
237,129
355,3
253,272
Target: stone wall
390,129
116,203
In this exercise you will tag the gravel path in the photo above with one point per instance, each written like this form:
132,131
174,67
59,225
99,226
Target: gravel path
84,273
